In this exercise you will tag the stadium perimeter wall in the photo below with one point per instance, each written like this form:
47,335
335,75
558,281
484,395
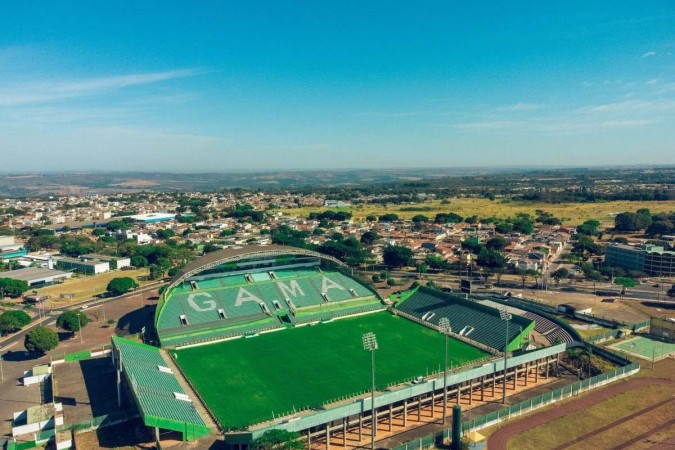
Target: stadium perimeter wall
384,399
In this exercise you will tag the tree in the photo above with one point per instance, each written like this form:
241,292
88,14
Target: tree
14,320
120,285
278,440
139,261
371,218
491,258
590,227
560,274
496,243
388,217
11,287
369,237
72,321
40,340
210,248
448,218
504,227
420,218
524,274
397,256
629,221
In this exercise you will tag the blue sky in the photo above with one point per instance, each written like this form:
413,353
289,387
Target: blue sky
218,86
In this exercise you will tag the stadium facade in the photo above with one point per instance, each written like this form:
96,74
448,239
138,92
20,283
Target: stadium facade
245,292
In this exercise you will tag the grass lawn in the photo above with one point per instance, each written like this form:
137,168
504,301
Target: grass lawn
247,380
570,213
559,431
87,286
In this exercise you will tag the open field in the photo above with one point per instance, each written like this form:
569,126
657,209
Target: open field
635,414
87,286
570,213
248,380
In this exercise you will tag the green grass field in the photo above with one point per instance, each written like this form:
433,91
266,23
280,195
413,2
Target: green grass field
246,381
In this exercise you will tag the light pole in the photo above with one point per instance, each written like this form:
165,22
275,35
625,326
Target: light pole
444,327
506,316
370,344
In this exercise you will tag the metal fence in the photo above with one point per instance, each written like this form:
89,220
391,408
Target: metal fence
539,401
433,440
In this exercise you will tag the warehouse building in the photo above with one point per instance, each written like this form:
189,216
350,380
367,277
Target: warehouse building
38,277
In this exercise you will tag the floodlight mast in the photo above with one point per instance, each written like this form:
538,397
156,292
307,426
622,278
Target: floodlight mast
506,316
444,327
370,344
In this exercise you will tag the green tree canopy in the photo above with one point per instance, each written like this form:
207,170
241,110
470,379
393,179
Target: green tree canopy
40,340
14,320
448,218
420,218
278,440
72,321
11,287
120,285
388,217
369,237
397,256
496,243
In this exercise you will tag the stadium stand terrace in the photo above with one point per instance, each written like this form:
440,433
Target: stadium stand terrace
159,397
257,288
467,318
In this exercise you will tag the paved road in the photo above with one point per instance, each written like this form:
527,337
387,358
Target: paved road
50,315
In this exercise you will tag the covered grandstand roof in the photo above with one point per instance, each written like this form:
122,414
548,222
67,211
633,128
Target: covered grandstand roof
159,396
234,254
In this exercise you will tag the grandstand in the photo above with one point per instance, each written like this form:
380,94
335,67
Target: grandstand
230,293
158,395
468,319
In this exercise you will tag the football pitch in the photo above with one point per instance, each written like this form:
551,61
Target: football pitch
250,380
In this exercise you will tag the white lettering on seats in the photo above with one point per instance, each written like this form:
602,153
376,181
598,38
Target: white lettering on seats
327,283
292,290
245,296
208,305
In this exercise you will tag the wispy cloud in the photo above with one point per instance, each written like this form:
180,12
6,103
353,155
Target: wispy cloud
648,54
391,114
49,91
520,106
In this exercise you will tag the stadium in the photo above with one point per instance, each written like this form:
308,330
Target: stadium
270,337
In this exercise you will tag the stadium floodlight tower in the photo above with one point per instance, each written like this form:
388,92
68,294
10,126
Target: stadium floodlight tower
444,327
506,316
370,344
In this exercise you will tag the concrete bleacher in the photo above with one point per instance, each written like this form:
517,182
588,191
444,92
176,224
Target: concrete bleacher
154,388
480,323
203,304
233,280
260,276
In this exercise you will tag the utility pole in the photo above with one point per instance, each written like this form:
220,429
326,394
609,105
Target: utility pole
444,325
370,344
504,315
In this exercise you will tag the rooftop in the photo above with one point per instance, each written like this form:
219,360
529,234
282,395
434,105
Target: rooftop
32,273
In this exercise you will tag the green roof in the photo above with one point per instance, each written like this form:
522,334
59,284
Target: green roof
154,389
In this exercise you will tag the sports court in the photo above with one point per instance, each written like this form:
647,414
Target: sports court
251,380
645,347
